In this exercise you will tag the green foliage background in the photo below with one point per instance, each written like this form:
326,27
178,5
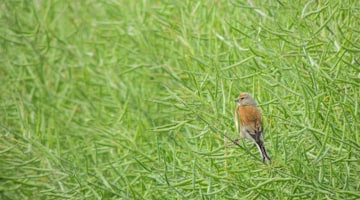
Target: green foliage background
126,99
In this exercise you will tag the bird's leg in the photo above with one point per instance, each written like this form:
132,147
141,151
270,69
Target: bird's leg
236,141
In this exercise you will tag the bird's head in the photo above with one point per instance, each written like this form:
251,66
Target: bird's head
245,99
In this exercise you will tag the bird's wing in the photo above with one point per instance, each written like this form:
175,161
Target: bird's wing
251,121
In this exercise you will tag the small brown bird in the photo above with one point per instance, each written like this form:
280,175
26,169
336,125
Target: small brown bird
248,122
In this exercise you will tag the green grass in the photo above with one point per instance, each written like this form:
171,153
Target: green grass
130,99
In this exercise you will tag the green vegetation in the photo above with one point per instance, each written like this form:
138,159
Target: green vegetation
131,99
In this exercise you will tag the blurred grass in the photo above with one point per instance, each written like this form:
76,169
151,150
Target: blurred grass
130,99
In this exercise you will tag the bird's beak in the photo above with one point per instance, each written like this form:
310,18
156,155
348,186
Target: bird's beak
237,100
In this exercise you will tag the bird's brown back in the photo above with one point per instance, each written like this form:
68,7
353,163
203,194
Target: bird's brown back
250,115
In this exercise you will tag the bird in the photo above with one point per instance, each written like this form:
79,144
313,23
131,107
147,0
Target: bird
247,119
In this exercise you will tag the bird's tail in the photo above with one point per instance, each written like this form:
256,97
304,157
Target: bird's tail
262,150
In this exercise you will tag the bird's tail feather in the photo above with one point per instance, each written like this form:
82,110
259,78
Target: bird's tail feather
262,150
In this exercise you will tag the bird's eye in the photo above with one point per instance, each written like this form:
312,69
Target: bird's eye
241,98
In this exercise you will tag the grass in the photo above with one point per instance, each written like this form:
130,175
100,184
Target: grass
131,99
